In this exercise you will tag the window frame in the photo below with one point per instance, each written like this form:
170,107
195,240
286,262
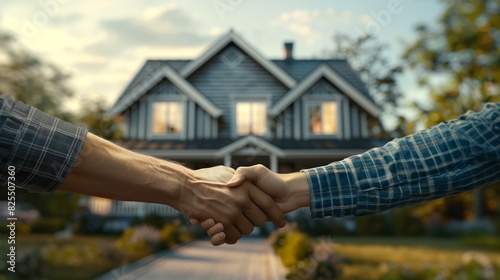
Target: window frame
311,101
170,99
266,99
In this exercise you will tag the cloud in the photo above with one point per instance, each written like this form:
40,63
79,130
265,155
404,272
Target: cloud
305,22
167,26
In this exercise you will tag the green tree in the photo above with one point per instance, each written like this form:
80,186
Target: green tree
368,57
95,118
458,61
32,80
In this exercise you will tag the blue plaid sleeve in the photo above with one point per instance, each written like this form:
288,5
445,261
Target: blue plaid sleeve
41,148
450,158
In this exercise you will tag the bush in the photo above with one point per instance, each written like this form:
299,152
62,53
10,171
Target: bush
141,240
374,225
406,224
292,247
172,235
48,225
154,220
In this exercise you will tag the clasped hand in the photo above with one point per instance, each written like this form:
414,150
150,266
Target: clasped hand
230,203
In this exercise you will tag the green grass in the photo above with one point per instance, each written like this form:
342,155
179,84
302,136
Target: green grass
369,257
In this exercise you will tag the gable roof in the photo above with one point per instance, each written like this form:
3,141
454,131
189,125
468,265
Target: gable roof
249,140
291,72
300,68
219,44
146,80
324,71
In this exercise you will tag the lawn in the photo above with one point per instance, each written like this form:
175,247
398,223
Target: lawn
369,258
81,252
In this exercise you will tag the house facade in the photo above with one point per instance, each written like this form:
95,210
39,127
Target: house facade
233,106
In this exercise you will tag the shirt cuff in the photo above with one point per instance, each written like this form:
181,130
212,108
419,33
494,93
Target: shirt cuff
41,148
332,191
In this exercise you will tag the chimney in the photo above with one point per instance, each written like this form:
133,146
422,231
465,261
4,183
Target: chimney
289,50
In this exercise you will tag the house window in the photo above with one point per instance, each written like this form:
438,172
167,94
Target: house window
323,118
167,118
251,118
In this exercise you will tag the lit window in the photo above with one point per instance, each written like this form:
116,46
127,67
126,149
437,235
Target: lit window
323,118
167,118
251,118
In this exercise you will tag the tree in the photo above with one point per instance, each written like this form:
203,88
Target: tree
32,80
95,118
459,63
367,57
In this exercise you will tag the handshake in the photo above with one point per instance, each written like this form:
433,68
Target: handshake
230,203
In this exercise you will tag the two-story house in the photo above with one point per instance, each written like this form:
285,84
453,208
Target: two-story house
233,106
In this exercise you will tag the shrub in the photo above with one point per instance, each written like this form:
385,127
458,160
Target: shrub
373,225
47,225
139,241
172,235
406,224
293,247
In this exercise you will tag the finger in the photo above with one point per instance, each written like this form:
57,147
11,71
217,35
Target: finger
244,225
207,224
253,174
218,239
237,179
268,206
218,228
232,234
254,214
194,221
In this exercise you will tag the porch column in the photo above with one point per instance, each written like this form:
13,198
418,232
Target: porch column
227,160
273,159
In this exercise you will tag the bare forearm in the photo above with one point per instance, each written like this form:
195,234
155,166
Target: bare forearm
107,170
299,194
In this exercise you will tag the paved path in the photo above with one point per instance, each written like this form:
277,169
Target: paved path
251,258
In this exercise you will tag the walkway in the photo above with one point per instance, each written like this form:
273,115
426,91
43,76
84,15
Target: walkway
251,258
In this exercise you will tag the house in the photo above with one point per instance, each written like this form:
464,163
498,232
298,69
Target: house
233,106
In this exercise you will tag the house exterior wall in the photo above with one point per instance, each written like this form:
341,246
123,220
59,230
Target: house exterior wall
224,85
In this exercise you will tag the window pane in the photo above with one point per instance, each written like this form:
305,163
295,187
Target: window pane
175,118
160,117
329,118
167,118
259,118
251,118
315,119
243,118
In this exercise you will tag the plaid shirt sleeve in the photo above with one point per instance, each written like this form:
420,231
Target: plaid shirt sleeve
41,148
450,158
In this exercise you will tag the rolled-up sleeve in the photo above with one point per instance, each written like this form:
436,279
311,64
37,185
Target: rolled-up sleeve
450,158
42,149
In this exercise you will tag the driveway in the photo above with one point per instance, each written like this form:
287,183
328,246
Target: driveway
251,258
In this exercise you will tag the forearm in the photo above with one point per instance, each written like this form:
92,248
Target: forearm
448,159
107,170
298,192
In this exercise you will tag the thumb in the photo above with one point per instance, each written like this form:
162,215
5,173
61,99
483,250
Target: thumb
237,179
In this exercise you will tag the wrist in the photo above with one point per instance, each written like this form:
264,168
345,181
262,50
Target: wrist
298,191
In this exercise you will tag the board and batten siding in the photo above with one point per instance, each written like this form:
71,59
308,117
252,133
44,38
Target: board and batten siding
197,123
223,84
293,122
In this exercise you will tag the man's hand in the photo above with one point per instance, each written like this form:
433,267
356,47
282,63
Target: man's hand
238,210
289,191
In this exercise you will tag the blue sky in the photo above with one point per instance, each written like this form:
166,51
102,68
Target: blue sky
102,44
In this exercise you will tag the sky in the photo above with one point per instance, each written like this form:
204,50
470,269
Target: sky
102,44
